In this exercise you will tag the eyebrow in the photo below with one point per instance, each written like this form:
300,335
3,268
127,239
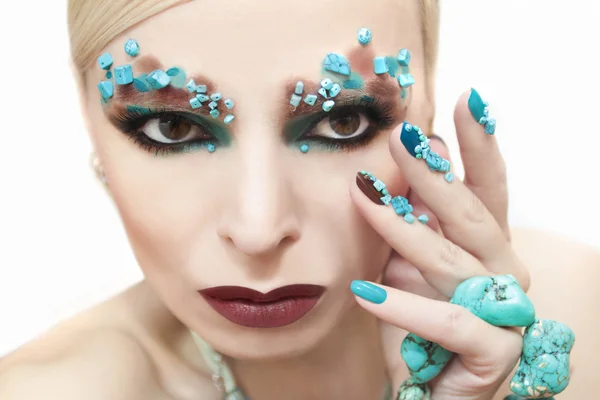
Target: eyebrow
381,88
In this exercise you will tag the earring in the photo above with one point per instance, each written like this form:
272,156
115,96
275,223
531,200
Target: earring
97,167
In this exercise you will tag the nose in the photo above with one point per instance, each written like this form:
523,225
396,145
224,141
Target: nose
261,217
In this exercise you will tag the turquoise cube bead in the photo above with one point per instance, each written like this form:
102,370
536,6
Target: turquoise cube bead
191,86
310,99
304,148
323,92
158,79
141,84
211,148
214,113
177,76
123,75
498,300
327,83
490,126
132,48
195,103
335,90
202,97
424,359
379,185
216,96
328,105
423,218
228,119
201,88
106,89
337,63
380,65
404,57
299,88
295,100
409,218
105,61
229,103
386,199
406,80
213,105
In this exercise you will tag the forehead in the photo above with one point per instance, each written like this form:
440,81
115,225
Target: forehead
252,46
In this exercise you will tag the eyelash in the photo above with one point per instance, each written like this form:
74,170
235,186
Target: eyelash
381,117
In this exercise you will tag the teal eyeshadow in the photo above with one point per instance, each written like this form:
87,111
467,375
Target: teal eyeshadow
134,109
393,66
354,82
298,127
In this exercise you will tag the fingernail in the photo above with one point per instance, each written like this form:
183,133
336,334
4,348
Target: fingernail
373,188
368,291
418,146
479,111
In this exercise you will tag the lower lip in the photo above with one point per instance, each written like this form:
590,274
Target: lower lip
263,315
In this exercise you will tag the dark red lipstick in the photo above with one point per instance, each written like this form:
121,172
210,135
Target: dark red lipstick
253,309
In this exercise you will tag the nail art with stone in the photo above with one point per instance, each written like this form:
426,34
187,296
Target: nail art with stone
373,188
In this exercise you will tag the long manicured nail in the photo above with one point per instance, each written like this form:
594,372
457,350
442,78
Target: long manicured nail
368,291
411,138
479,111
417,144
373,188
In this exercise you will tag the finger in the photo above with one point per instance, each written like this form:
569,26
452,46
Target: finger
401,274
442,263
485,170
451,326
463,217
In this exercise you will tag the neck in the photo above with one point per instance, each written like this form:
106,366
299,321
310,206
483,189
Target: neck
348,364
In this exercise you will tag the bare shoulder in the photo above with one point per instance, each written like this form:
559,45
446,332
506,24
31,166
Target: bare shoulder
564,280
94,355
97,364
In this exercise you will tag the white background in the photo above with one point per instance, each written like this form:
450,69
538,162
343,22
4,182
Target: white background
62,247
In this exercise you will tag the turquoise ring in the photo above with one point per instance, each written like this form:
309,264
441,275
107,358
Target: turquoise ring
544,368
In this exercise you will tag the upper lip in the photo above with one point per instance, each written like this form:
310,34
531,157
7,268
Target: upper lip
244,293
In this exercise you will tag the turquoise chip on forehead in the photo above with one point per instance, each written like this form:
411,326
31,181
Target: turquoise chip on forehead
158,79
140,83
380,65
106,89
403,57
364,36
132,48
406,80
299,87
337,63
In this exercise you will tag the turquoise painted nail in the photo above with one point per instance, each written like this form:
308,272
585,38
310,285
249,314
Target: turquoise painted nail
476,105
368,291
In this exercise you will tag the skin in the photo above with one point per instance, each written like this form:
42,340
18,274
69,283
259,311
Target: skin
271,217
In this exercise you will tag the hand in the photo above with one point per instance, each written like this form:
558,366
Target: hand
467,236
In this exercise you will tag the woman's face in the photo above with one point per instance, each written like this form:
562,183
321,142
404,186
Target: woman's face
257,212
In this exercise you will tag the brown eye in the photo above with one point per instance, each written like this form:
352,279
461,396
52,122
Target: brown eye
344,125
172,130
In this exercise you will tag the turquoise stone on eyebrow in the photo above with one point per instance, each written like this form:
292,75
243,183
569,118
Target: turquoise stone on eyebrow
299,88
158,79
393,66
328,105
337,63
498,300
216,96
105,61
106,89
380,66
354,82
123,75
195,103
229,103
326,84
214,113
335,90
310,99
323,92
295,100
229,118
406,80
191,86
213,105
202,97
201,89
